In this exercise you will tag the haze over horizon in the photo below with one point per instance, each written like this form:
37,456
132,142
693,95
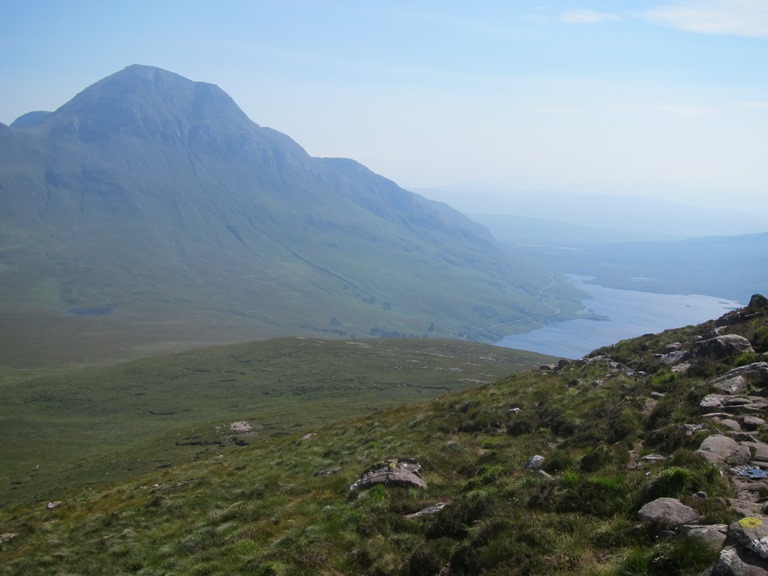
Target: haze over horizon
659,99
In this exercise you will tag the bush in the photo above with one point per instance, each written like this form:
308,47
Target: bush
760,339
596,458
670,483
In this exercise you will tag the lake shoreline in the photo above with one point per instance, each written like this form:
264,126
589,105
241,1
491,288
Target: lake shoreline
626,314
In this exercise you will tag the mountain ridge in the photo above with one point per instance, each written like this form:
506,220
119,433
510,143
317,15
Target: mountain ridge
158,198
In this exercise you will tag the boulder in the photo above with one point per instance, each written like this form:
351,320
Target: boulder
739,379
712,403
403,472
734,562
752,422
746,549
668,513
535,462
711,535
671,358
721,346
718,448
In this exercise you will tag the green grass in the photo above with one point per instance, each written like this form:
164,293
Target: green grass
93,425
263,509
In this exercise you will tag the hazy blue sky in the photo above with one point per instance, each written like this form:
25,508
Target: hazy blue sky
664,98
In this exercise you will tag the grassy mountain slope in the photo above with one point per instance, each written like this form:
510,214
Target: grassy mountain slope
64,428
268,509
156,199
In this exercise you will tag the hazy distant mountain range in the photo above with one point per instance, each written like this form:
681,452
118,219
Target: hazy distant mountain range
149,198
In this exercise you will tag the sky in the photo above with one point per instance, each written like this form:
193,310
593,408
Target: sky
649,98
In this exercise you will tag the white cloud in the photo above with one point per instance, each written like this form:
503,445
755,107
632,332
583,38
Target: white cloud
721,17
586,17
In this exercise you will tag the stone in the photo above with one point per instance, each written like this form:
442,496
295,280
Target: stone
671,358
535,462
403,472
326,472
739,379
712,403
52,505
746,549
760,450
430,510
668,513
731,424
718,448
711,535
721,346
752,422
733,563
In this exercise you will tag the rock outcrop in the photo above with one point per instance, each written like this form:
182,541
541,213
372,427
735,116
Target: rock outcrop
668,513
404,472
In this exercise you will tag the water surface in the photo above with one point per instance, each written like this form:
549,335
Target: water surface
629,314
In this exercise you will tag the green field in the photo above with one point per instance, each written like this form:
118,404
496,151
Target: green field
78,427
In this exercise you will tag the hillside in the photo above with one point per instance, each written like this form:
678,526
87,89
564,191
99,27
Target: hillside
150,212
637,459
84,427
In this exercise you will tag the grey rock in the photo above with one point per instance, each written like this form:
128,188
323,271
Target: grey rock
326,472
752,422
671,358
733,562
739,379
712,403
535,462
668,513
426,511
718,448
711,535
721,346
403,472
731,424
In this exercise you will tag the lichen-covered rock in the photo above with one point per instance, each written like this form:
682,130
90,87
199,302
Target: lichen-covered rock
668,513
746,549
403,472
739,379
721,346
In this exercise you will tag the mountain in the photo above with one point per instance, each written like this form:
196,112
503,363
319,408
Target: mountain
650,217
721,266
149,210
646,457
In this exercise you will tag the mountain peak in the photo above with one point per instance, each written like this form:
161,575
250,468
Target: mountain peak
146,102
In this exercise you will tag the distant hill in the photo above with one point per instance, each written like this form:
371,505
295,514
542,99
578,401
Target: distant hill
149,210
624,215
723,266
